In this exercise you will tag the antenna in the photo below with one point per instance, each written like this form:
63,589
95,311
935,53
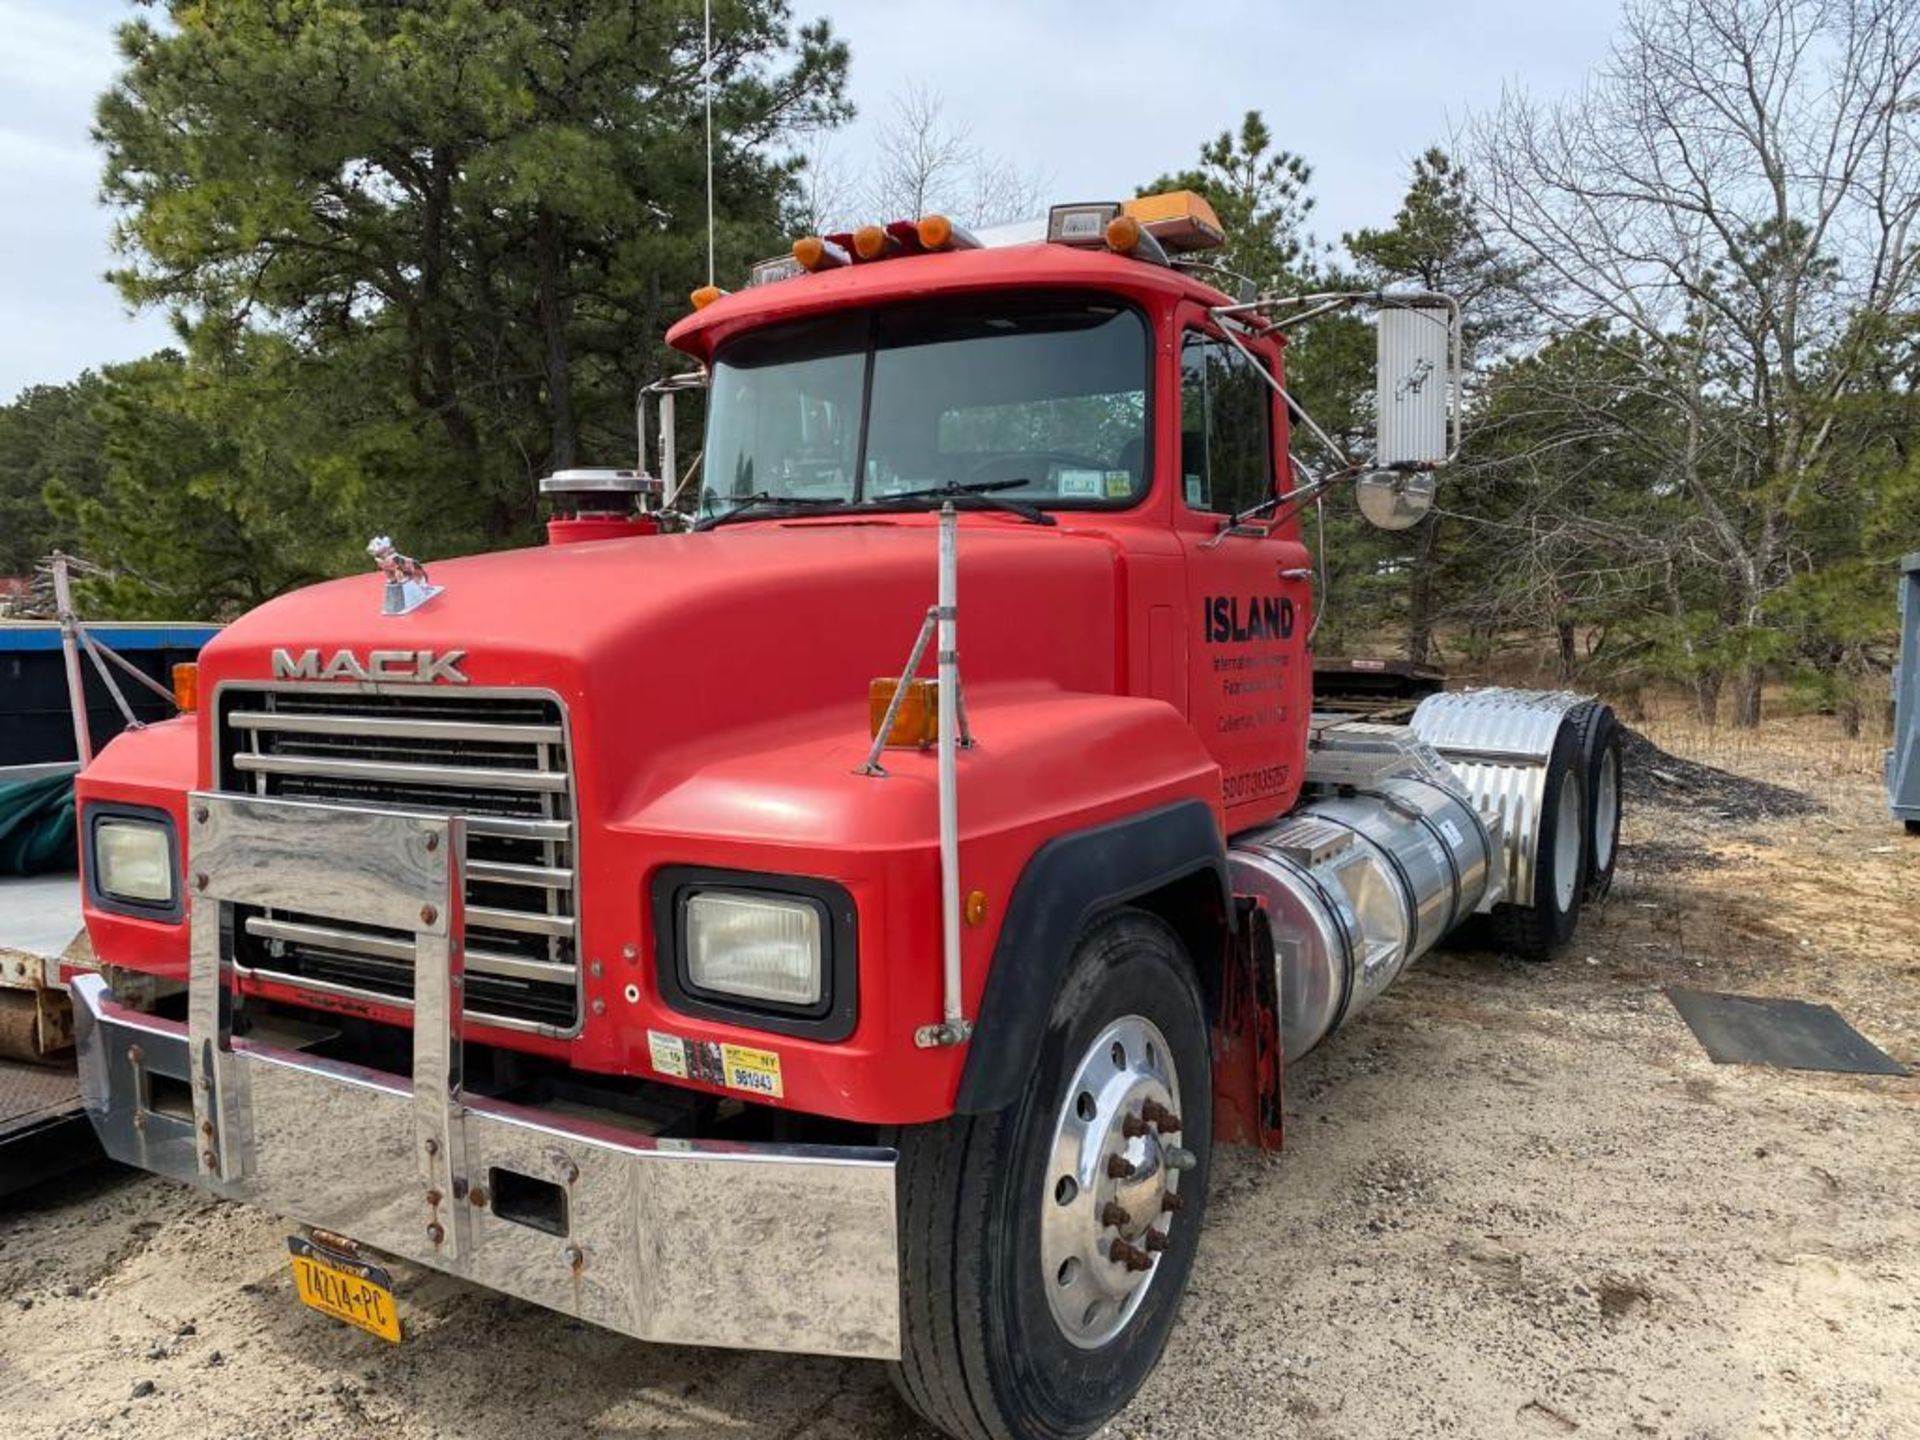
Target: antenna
709,99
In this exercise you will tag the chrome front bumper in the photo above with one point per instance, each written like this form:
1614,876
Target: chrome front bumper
692,1242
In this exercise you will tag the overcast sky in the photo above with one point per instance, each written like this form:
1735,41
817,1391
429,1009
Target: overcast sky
1096,97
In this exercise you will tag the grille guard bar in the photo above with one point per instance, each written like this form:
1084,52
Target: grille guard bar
698,1242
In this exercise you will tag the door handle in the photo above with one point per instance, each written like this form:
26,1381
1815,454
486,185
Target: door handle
1296,572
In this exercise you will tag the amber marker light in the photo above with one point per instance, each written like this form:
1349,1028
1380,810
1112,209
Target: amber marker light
936,232
1123,234
816,252
705,296
872,242
976,909
186,688
916,724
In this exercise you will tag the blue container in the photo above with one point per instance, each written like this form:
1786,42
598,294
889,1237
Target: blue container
36,725
1903,760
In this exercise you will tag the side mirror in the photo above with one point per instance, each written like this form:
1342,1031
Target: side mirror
1417,379
1395,499
669,479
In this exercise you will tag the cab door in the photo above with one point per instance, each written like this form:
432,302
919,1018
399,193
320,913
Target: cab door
1250,681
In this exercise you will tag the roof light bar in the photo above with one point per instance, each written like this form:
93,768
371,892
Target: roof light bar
1178,219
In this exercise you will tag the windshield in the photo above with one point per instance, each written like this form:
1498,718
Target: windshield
860,407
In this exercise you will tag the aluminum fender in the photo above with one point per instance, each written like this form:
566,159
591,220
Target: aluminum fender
152,768
1046,763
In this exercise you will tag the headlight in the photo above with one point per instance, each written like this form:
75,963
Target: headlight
755,947
133,861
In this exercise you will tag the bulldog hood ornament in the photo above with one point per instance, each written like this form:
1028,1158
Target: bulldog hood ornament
407,588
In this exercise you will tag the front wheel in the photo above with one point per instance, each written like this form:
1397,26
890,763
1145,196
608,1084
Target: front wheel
1045,1248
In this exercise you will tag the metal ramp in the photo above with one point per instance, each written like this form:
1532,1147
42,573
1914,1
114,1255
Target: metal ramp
43,1125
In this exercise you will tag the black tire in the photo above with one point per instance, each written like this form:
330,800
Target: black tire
1600,751
982,1356
1538,929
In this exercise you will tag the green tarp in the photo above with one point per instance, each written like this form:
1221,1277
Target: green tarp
36,826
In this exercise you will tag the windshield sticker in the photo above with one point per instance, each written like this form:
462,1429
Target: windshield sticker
1119,484
1077,484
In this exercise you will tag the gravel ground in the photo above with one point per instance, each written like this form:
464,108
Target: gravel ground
1516,1200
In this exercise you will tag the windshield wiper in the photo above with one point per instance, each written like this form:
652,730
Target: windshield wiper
764,505
978,494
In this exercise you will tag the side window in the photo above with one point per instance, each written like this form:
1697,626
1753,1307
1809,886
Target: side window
1226,448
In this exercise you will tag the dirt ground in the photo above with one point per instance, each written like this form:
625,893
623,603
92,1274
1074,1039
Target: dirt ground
1516,1200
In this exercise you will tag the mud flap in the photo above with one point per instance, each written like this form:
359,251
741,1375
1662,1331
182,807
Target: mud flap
1248,1065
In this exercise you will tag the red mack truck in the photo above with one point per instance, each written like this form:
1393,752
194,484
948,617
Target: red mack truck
836,898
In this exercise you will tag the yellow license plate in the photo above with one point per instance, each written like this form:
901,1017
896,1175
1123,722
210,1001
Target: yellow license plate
345,1288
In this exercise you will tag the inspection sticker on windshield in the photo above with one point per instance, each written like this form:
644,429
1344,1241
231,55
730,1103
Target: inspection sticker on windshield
1119,484
757,1071
1077,484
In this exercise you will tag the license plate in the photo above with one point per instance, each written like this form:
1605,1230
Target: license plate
345,1288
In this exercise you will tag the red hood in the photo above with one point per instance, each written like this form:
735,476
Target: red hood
682,642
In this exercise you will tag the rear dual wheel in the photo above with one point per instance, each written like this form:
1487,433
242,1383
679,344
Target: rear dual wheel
1045,1248
1599,735
1537,925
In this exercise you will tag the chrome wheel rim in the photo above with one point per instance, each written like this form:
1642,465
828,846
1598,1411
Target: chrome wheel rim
1111,1188
1566,843
1606,802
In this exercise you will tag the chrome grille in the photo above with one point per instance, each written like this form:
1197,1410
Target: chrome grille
498,760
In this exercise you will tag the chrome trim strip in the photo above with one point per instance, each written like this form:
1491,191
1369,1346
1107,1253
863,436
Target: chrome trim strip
398,726
519,921
543,877
386,947
401,773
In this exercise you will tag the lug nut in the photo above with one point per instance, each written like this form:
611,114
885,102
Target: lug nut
1180,1159
1131,1256
1156,1240
1159,1115
1173,1201
1133,1127
1119,1167
1115,1215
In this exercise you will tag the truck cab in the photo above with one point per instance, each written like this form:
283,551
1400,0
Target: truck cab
832,897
